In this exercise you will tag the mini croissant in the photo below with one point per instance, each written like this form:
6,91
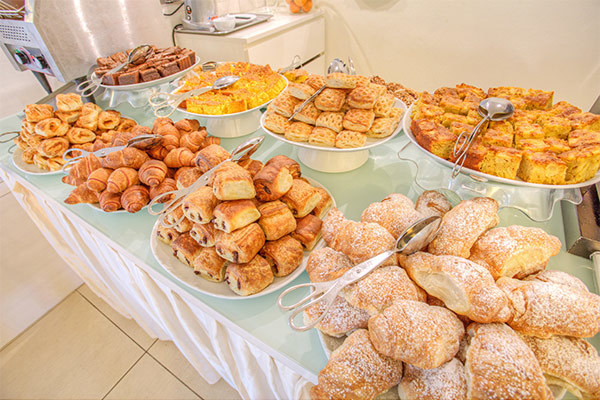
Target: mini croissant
81,194
193,140
128,157
210,156
110,202
121,179
98,179
135,198
187,125
179,157
80,171
153,172
165,186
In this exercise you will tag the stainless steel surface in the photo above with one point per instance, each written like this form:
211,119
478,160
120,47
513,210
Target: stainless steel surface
238,26
491,109
63,38
414,238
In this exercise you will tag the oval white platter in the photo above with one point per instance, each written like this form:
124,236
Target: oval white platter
371,142
30,169
184,274
406,121
96,207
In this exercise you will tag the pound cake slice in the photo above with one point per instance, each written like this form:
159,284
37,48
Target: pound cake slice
546,168
582,162
433,137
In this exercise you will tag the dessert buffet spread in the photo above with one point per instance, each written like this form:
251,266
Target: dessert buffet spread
252,224
542,142
474,315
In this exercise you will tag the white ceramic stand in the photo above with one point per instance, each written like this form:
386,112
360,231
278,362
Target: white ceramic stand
235,126
329,161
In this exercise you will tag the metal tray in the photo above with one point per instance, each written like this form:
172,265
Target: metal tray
239,25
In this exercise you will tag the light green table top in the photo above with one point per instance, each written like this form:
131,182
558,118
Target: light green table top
353,191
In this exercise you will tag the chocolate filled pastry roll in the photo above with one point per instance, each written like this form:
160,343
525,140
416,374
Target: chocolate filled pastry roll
232,182
234,214
53,147
188,177
323,206
276,219
240,246
209,265
67,102
326,264
381,288
499,365
432,203
199,205
544,309
184,224
356,370
204,234
284,161
463,225
514,251
284,255
272,182
308,231
166,235
110,202
249,278
302,198
416,333
252,166
109,119
186,249
210,157
38,112
446,382
465,287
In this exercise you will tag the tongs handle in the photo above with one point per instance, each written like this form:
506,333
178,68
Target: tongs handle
70,161
305,103
323,291
164,104
15,133
462,146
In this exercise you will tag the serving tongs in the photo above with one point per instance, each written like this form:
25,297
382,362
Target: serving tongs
240,153
296,63
91,85
491,109
142,142
164,104
413,239
13,135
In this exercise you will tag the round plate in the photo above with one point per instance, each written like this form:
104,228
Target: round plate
406,121
30,169
96,207
371,142
184,274
156,82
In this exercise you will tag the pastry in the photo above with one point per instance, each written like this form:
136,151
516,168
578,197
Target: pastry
464,286
51,127
81,194
88,118
234,214
298,132
544,309
242,245
79,173
350,139
53,147
284,104
272,182
199,205
330,100
315,81
56,163
98,179
188,177
326,264
382,127
209,265
499,365
186,249
340,319
416,333
121,179
383,105
358,120
152,172
301,198
276,123
109,119
111,202
431,203
166,235
381,288
323,206
179,157
128,157
308,231
38,112
126,125
542,167
560,278
514,251
462,226
276,219
356,370
446,382
394,216
232,182
204,234
252,166
193,140
330,120
27,155
68,116
80,135
308,114
188,126
135,198
167,185
249,278
363,97
301,91
284,255
340,80
122,138
210,157
321,136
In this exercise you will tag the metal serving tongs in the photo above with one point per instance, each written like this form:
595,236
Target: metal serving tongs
491,109
414,238
15,134
90,86
242,152
164,104
296,63
141,142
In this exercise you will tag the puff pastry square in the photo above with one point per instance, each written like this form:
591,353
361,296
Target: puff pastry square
330,99
284,104
350,139
315,81
298,132
339,80
379,89
331,120
358,120
276,123
382,127
301,91
383,105
362,97
308,115
396,113
322,136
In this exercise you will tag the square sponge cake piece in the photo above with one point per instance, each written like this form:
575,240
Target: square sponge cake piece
545,168
433,137
582,162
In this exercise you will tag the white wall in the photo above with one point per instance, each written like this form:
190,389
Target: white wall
424,44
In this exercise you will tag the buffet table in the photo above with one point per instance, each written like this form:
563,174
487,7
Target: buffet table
247,342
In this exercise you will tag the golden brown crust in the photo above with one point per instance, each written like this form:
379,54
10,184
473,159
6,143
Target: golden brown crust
98,179
209,265
330,100
53,147
358,120
447,382
350,139
121,179
340,80
234,214
134,198
363,97
210,157
301,198
68,102
298,131
52,127
272,182
284,255
38,112
242,245
276,123
249,278
166,235
308,231
199,205
321,136
232,182
276,219
331,120
326,264
185,248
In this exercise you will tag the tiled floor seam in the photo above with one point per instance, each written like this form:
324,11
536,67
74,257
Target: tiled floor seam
123,376
172,373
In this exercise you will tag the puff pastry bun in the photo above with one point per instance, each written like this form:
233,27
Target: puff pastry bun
249,278
284,255
321,136
331,120
209,265
301,198
276,219
234,214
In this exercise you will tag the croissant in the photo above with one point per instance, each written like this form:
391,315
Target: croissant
107,136
128,157
153,172
121,138
167,130
158,152
109,119
135,198
126,125
68,102
121,179
170,142
80,135
81,194
110,202
38,112
193,140
99,145
188,177
53,147
165,186
88,118
141,130
51,127
187,125
210,140
79,173
179,157
160,121
98,179
210,156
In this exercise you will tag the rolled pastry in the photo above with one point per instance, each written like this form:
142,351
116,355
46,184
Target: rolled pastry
249,278
308,231
204,234
302,198
326,264
276,219
272,182
242,245
164,234
284,255
446,382
199,205
232,182
432,203
209,265
234,214
393,216
323,206
185,248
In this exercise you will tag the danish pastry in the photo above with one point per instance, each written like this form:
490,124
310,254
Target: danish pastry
383,106
51,127
340,80
68,102
249,278
330,100
382,127
88,118
276,123
80,135
209,265
298,132
109,119
69,117
38,112
308,114
350,139
276,219
300,91
284,255
53,147
56,163
234,214
330,120
321,136
363,97
358,120
284,104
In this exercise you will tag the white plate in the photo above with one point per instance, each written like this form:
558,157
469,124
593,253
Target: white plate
31,169
96,207
164,255
156,82
406,121
371,142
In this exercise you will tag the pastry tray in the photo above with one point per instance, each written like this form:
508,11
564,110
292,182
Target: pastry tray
238,25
